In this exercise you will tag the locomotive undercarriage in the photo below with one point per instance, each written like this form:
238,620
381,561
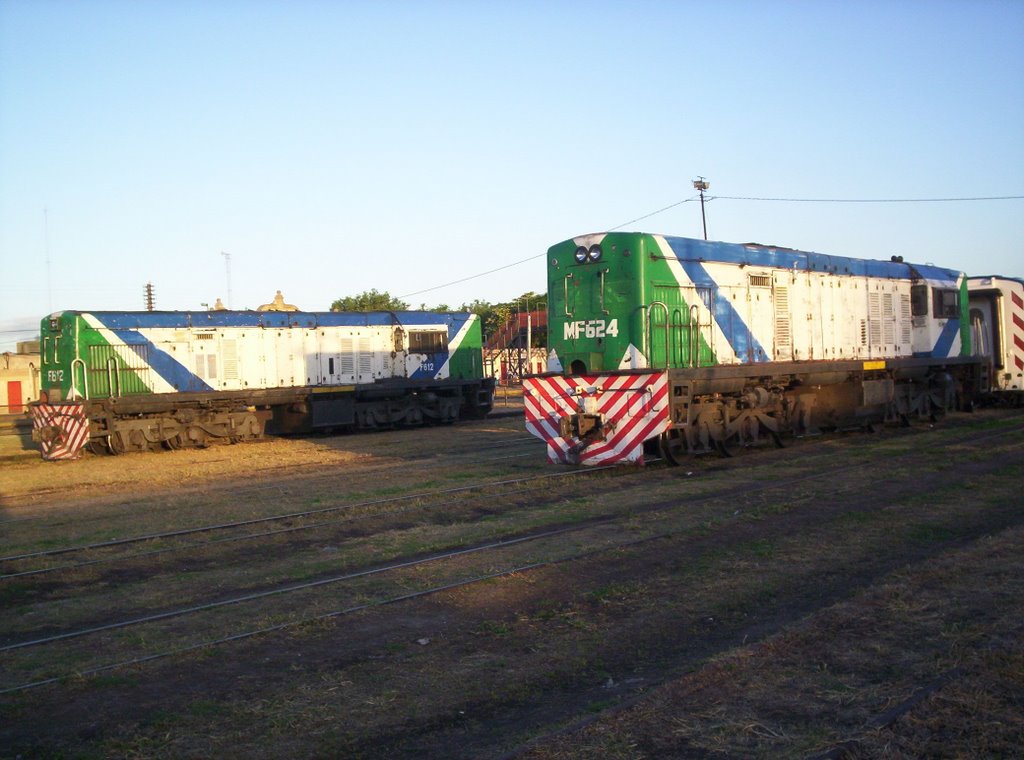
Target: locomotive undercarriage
181,428
124,425
750,411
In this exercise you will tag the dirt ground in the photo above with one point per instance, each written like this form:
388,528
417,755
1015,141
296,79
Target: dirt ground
856,596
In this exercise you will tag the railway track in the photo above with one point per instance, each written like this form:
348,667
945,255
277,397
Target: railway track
304,475
249,529
587,541
433,499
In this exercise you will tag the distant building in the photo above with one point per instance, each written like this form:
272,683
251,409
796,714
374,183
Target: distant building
278,304
19,377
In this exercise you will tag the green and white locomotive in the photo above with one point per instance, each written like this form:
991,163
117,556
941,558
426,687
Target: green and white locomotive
695,346
130,381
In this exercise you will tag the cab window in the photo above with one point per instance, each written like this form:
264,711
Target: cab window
423,342
945,303
919,300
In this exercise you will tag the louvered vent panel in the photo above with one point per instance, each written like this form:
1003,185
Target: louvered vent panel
888,320
874,319
348,359
230,351
783,326
905,319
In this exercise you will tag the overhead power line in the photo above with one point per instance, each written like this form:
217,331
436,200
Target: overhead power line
539,255
473,276
733,198
863,200
653,213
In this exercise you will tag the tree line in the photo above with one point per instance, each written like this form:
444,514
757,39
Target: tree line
492,315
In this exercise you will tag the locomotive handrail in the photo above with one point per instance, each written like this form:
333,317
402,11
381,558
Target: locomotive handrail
566,284
113,378
649,333
601,274
85,377
694,335
675,327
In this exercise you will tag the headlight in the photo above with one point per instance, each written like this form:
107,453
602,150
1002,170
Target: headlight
594,253
581,254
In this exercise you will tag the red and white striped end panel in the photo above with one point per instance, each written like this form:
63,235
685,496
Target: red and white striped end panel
1017,317
633,408
61,429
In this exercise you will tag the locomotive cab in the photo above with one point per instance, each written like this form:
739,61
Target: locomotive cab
591,281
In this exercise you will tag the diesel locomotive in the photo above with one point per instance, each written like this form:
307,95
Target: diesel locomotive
689,346
131,381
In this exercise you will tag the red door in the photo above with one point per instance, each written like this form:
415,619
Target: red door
14,397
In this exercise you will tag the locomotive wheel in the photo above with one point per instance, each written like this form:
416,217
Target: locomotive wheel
115,444
197,437
673,447
172,443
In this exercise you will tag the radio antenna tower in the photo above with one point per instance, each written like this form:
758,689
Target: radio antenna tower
227,267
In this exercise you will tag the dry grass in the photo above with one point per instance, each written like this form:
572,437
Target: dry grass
781,622
928,663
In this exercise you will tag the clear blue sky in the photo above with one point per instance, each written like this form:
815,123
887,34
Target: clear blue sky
333,147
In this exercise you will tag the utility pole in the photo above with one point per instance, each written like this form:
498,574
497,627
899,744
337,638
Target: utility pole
150,297
227,266
702,185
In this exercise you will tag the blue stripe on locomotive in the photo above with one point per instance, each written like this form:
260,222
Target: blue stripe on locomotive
693,253
165,365
736,331
755,254
944,344
135,320
430,366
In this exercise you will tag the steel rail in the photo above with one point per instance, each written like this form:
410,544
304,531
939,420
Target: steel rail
294,515
282,590
584,525
226,540
264,534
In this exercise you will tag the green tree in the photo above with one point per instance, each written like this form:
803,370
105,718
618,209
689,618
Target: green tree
370,300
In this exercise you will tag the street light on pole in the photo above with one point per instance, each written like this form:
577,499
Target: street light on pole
701,184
